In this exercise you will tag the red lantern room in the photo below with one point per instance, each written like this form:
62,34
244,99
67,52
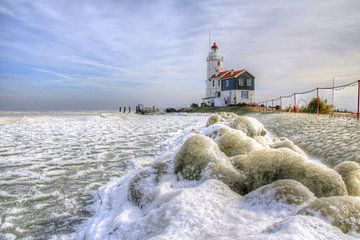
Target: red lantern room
214,46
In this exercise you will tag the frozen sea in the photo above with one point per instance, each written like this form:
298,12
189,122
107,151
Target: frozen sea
52,163
332,139
67,175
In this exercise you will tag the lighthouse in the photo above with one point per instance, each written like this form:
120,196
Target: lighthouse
226,87
215,64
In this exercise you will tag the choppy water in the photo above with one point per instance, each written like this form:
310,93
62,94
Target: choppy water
51,162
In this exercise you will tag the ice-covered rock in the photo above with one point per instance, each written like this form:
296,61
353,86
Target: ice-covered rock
350,173
249,125
239,161
213,119
226,173
228,115
268,165
285,191
215,131
236,142
266,141
141,186
286,143
195,154
201,158
303,227
341,211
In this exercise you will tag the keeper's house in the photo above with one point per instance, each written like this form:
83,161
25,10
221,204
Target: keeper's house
227,87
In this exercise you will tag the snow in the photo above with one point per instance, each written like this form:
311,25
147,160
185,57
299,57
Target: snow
333,140
205,209
76,168
50,163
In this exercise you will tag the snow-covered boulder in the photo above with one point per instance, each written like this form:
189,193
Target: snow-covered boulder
265,166
236,142
249,125
285,191
228,115
303,227
213,119
286,143
200,158
341,211
215,131
266,141
350,173
141,186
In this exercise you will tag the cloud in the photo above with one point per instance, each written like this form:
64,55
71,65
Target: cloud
123,52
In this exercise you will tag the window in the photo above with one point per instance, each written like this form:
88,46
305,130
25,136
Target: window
218,94
245,94
226,83
241,82
213,83
218,63
218,82
248,82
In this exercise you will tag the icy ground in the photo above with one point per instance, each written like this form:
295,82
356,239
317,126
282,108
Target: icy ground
333,140
51,162
67,176
176,208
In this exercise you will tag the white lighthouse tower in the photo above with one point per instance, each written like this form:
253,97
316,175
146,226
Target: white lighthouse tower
215,64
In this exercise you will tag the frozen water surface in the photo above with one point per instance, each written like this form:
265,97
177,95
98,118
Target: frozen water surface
333,140
66,176
205,209
51,162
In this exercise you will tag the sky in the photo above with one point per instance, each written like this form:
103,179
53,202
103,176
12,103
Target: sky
99,55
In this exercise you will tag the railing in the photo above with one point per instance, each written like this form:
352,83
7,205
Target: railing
296,94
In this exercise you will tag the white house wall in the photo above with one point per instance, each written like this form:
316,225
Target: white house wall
229,96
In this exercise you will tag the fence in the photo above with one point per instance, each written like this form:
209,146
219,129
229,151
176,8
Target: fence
296,95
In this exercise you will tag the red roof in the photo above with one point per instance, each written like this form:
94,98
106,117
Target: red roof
232,73
228,74
214,46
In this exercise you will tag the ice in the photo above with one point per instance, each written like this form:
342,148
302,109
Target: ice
205,209
67,176
209,210
51,162
331,139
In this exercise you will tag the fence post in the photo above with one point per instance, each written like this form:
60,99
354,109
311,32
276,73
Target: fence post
317,102
266,106
358,103
295,110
